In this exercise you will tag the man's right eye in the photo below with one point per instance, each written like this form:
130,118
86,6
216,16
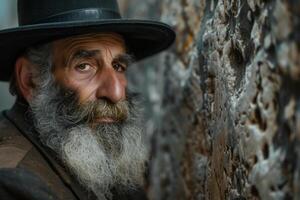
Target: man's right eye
84,67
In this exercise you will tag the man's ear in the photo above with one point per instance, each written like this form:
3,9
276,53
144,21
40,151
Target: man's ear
23,70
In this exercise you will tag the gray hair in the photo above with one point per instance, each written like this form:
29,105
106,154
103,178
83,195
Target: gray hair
41,59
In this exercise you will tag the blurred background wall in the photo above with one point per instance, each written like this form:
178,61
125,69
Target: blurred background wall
8,18
224,101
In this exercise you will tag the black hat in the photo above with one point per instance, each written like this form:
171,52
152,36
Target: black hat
46,20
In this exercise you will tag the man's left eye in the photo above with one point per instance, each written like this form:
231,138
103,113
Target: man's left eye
119,67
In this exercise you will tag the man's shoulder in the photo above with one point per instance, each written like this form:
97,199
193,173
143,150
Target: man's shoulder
19,183
19,158
13,145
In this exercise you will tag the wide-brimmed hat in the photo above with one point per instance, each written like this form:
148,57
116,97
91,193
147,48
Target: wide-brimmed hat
45,20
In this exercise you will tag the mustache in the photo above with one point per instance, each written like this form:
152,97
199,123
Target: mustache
103,108
73,112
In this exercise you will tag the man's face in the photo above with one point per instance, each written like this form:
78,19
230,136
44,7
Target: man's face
93,66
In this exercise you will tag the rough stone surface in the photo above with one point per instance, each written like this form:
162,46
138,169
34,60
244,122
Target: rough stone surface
224,102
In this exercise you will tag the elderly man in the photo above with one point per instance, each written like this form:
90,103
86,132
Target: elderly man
75,129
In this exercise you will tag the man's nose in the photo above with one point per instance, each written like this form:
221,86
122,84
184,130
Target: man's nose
111,86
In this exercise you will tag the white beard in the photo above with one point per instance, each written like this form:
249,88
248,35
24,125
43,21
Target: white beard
96,169
100,158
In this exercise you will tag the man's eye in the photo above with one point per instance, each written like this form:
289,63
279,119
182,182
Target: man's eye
119,67
84,67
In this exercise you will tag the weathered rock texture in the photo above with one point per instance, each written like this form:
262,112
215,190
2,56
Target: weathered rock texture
224,101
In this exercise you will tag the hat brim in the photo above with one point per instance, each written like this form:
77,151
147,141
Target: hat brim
143,37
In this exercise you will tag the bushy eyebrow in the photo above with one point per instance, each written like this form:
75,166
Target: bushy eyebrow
85,54
125,58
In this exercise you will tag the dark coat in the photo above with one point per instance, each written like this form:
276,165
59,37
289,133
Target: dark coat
29,171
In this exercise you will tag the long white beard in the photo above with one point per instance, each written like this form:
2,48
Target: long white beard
98,170
100,158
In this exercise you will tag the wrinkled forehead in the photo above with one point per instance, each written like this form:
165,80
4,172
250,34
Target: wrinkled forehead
113,38
67,46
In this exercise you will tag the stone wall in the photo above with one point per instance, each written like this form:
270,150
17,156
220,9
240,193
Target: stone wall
223,104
